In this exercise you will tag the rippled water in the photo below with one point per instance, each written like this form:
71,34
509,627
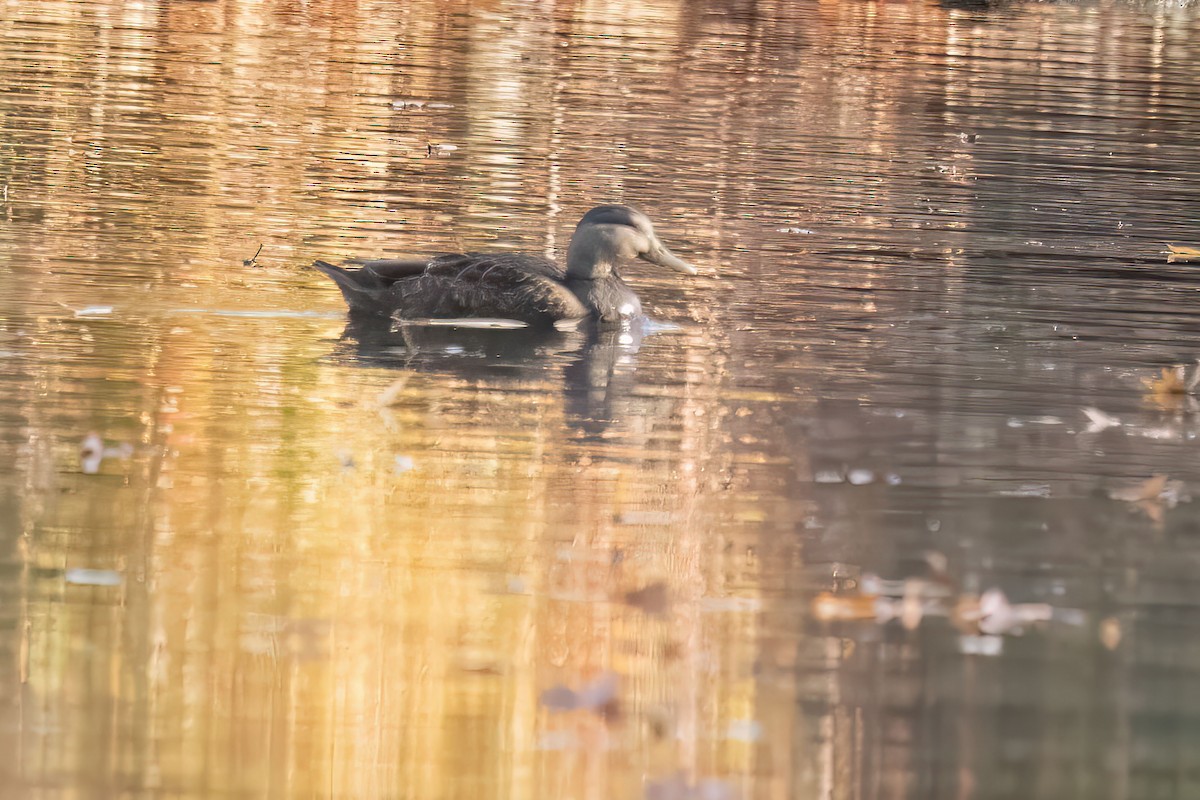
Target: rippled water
300,559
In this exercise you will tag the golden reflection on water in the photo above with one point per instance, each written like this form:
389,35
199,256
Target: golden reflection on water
301,610
319,592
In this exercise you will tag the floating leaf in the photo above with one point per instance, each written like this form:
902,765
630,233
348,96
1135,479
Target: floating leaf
1172,390
1182,253
1172,381
91,453
1148,489
1098,420
92,577
830,607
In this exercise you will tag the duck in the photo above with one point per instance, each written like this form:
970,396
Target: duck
520,287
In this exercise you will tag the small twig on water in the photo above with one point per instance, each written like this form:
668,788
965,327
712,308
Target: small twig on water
253,260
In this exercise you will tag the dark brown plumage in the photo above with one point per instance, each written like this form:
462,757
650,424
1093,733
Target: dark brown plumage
515,286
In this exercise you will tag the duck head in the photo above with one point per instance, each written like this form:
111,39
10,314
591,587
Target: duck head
609,234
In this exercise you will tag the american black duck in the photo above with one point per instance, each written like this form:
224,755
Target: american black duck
515,286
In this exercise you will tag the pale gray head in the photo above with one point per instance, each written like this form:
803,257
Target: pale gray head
608,235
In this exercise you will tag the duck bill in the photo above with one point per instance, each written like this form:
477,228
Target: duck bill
664,257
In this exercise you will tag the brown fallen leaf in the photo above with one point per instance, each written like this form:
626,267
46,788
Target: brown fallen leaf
1148,489
1174,391
830,607
1172,381
1177,252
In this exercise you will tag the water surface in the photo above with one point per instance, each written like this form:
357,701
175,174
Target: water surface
299,559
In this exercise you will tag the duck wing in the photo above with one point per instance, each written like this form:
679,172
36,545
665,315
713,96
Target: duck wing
389,270
516,286
503,262
368,289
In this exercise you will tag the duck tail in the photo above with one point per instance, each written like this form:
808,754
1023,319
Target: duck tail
361,296
337,273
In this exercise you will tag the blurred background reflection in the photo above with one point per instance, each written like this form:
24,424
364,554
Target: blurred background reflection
833,523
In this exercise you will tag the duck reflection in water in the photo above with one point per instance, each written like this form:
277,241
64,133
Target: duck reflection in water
483,352
596,365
